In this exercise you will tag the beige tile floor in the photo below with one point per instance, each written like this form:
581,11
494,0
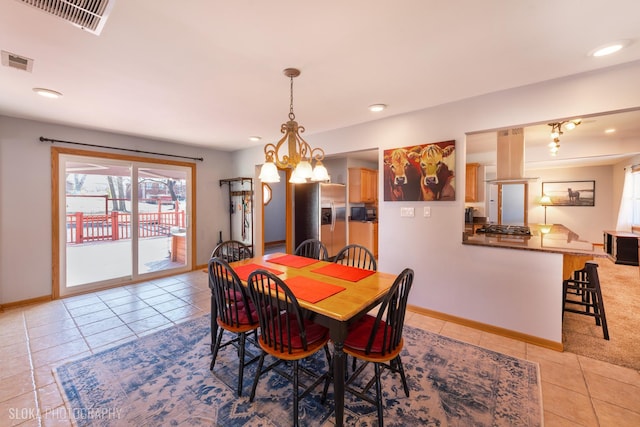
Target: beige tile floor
577,391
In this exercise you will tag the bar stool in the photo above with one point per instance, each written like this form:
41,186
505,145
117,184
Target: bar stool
584,292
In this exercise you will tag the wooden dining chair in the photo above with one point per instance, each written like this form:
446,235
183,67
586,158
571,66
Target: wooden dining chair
232,250
234,312
357,256
378,340
312,248
286,335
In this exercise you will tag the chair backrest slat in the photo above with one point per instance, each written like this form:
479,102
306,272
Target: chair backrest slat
392,313
232,250
356,256
231,298
278,311
312,248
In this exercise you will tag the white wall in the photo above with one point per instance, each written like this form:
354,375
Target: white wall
25,199
516,290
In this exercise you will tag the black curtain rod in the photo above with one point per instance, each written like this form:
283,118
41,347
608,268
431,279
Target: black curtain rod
43,139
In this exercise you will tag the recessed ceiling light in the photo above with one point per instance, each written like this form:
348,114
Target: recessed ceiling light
255,138
47,93
609,131
377,107
608,49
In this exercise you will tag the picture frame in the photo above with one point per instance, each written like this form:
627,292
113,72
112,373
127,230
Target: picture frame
570,193
423,172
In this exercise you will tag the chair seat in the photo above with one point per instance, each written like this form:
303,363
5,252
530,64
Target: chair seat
317,335
360,332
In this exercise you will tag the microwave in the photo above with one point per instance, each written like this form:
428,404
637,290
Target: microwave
361,213
358,213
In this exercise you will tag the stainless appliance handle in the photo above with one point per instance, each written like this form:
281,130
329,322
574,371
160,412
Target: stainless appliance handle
333,216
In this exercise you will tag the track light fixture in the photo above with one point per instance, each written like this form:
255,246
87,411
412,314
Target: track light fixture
557,130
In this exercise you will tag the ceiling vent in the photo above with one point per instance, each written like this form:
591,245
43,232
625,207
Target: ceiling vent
90,15
16,61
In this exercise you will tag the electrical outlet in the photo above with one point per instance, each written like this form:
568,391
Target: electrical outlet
407,212
427,211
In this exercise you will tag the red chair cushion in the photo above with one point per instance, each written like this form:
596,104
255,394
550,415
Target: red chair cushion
243,318
360,332
314,332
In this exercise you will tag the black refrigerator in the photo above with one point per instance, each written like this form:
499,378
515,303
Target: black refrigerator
319,213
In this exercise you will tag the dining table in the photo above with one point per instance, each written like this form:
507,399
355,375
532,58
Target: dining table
333,295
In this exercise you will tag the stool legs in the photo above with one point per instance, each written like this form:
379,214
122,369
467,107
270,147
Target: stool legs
586,285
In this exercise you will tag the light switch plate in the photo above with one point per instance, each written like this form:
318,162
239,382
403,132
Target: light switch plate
408,212
427,211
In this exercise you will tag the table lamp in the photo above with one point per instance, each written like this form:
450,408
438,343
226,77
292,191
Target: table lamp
545,201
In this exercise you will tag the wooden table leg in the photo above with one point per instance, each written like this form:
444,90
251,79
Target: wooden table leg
338,331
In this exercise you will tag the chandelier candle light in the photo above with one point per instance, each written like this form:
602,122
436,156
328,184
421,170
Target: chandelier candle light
299,156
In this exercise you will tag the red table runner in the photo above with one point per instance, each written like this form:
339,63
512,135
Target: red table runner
311,290
344,272
243,271
294,261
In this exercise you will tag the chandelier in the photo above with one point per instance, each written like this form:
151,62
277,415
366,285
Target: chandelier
299,156
557,130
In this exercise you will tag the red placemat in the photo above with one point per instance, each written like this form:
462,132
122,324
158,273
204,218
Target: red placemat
294,261
243,271
344,272
311,290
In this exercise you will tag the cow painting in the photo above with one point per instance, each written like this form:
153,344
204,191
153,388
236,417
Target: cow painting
422,172
436,166
401,176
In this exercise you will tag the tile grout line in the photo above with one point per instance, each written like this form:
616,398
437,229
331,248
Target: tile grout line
32,374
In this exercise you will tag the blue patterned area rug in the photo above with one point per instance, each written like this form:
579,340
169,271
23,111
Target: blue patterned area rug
164,379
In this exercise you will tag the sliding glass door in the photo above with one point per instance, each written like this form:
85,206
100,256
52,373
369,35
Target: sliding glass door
120,220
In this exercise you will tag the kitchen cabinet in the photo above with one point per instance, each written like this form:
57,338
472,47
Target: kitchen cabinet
471,182
622,247
363,185
364,233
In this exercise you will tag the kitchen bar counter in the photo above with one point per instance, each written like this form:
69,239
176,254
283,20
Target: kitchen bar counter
554,238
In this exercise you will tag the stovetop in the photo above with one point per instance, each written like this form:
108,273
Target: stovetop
511,230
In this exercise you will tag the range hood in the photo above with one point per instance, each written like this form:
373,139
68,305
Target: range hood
510,156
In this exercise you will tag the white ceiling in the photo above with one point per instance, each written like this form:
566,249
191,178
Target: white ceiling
209,72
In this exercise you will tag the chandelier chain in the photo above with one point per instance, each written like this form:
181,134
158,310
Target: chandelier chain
292,116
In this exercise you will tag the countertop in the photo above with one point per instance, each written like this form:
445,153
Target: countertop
555,238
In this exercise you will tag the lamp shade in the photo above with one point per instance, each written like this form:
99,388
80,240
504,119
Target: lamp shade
269,173
296,178
303,169
545,200
320,173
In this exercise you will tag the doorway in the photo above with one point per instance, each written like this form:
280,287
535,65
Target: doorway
118,219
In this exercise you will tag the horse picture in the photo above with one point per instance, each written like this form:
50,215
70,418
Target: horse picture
570,193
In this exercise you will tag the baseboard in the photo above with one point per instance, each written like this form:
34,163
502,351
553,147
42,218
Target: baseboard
22,303
530,339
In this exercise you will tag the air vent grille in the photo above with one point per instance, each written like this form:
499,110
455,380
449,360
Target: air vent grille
90,15
16,61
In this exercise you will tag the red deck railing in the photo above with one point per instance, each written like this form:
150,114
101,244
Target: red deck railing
83,227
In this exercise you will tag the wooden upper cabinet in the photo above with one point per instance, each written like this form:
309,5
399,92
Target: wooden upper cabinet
471,182
363,185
